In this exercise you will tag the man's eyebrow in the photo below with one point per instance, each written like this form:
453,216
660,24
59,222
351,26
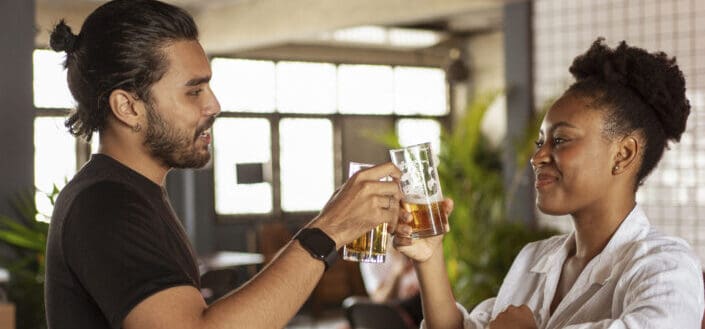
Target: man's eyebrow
198,81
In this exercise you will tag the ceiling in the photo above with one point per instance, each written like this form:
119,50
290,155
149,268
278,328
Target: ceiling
255,26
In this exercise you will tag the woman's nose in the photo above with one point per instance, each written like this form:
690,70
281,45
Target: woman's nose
541,156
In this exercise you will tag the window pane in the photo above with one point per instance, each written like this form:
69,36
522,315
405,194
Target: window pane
307,178
419,91
243,85
50,87
306,87
54,159
417,131
365,89
237,141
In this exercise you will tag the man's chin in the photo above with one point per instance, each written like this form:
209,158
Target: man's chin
190,163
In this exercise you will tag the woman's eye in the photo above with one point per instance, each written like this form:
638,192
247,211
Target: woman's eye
558,141
538,143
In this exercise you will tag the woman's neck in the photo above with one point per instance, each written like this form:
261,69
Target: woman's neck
595,227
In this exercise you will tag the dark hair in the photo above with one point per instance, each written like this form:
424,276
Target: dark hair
119,47
639,92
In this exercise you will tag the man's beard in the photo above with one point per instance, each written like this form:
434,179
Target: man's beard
174,148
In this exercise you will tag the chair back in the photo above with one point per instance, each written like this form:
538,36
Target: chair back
362,313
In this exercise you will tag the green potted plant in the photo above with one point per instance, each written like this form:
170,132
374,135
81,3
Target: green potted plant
24,243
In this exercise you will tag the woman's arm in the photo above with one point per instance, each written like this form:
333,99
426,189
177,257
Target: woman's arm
439,307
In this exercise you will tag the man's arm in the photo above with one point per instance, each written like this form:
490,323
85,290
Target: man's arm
272,297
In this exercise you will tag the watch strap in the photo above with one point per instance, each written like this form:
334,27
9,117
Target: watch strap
319,245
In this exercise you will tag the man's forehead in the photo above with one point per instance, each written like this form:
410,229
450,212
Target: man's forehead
187,62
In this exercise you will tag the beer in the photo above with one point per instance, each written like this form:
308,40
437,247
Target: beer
371,247
421,188
428,219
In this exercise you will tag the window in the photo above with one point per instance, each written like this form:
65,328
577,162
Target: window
241,141
306,162
285,126
54,160
55,150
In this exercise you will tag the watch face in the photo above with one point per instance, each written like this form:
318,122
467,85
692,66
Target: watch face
318,243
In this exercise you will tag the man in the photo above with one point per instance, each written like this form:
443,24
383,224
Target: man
117,256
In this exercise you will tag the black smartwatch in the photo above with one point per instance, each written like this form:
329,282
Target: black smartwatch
319,245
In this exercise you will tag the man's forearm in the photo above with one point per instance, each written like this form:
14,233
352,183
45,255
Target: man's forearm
273,296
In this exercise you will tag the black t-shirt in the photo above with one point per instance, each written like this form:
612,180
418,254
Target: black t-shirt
114,240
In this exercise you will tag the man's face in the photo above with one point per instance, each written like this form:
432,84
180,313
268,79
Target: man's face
182,108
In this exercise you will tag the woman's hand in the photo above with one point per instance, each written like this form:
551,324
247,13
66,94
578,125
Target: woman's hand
514,317
419,250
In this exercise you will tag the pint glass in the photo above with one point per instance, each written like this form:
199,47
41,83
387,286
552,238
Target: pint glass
421,189
371,247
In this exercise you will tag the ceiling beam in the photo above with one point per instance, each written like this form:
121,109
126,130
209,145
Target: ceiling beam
247,25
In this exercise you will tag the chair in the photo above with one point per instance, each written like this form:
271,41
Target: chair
363,313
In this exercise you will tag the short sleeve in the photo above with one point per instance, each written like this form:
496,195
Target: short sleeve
112,244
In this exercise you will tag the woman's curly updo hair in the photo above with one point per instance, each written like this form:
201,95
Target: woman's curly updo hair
640,93
119,47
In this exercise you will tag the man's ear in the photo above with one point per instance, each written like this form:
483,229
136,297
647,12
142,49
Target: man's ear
627,154
126,108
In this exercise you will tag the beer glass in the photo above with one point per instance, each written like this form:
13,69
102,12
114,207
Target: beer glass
371,247
421,189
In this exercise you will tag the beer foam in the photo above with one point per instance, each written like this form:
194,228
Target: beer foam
423,199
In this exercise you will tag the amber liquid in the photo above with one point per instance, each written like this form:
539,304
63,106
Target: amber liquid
428,219
370,247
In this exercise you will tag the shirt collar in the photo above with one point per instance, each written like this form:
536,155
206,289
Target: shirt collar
634,227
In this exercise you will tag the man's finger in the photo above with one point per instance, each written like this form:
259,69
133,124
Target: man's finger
402,241
380,171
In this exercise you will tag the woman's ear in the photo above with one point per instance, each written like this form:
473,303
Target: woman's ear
124,106
627,154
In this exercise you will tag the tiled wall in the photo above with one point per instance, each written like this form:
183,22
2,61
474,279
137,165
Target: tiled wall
674,195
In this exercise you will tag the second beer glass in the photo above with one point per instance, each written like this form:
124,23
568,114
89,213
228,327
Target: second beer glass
421,189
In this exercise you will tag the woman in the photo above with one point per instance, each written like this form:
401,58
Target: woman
597,144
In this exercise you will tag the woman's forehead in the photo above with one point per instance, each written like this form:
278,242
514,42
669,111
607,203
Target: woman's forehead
572,112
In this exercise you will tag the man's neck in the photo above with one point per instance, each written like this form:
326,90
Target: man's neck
135,157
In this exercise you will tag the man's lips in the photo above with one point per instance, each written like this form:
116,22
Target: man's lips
543,180
205,136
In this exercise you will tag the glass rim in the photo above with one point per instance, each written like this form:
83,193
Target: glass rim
411,146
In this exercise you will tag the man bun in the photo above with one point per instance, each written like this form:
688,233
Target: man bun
62,39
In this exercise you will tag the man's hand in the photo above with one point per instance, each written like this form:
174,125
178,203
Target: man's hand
514,317
362,203
419,250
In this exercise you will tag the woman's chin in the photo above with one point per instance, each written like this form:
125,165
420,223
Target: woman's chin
551,209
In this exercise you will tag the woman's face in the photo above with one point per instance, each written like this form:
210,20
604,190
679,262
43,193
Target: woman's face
573,160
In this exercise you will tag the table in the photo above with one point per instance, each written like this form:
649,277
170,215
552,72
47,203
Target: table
228,259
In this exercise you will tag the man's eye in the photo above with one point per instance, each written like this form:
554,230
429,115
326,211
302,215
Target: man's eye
195,92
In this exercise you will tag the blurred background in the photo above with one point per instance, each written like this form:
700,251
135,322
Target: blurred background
308,85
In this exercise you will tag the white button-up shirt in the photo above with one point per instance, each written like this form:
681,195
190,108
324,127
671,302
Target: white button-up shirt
642,279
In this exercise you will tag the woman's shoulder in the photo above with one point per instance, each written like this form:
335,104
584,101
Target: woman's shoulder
659,247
